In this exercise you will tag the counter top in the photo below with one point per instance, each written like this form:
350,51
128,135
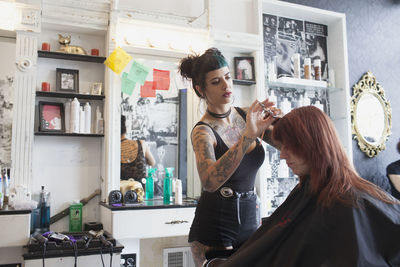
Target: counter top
151,204
7,210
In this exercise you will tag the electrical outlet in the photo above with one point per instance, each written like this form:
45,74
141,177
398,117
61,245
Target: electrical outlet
128,260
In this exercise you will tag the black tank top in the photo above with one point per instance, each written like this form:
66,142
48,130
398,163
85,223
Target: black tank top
243,178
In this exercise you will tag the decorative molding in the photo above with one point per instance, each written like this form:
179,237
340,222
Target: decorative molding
84,15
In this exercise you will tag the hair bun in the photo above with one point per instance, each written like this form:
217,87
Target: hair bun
186,66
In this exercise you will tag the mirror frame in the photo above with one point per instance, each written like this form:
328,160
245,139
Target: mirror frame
369,85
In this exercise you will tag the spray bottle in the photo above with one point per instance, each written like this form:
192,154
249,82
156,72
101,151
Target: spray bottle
168,185
150,183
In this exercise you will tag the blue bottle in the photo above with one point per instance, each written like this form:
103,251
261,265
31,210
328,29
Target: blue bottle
44,206
150,184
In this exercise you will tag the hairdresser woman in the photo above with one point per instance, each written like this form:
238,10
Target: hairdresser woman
228,156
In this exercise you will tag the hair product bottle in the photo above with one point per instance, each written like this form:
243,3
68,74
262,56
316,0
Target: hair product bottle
317,69
81,120
88,118
75,109
150,184
307,68
168,185
75,216
296,65
178,192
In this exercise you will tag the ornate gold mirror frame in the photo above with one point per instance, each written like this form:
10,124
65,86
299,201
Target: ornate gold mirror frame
371,115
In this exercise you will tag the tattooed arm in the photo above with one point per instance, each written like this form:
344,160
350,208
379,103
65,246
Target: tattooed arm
213,173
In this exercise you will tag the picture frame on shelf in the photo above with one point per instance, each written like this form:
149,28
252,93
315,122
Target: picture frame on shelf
96,88
51,117
244,68
67,80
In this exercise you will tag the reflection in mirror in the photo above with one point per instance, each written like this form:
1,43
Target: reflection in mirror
7,55
371,115
153,115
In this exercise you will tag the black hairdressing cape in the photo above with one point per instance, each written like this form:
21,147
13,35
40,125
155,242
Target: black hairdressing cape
299,233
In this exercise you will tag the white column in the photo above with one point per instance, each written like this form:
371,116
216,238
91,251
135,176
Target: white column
23,109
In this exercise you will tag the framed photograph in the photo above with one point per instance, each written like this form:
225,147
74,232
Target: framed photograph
67,80
96,88
51,117
244,68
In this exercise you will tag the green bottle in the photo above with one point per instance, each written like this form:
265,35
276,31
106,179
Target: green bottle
75,216
168,185
150,184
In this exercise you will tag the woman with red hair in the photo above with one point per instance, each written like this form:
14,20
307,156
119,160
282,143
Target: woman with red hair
333,217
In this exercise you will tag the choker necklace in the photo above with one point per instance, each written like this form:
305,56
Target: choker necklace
220,116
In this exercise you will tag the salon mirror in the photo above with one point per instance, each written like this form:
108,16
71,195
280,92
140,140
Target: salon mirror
371,115
159,117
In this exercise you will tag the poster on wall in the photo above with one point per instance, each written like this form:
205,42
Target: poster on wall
6,108
154,116
284,37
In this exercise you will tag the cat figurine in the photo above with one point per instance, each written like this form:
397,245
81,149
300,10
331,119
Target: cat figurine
70,49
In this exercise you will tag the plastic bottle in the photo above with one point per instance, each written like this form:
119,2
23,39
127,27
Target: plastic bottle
88,118
178,192
67,115
317,69
286,106
307,68
99,126
168,185
272,97
81,120
44,206
75,216
150,183
75,108
319,105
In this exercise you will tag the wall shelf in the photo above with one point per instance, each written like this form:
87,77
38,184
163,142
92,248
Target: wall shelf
68,134
68,95
243,82
75,57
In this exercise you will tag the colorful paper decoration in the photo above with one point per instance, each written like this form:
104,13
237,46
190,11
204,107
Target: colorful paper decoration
161,79
118,60
138,72
127,85
147,90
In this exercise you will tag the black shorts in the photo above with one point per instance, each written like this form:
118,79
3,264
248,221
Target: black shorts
216,222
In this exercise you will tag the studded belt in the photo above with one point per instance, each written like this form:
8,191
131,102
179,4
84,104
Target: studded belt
229,192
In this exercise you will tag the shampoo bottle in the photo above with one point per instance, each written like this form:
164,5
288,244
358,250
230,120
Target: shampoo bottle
150,184
75,216
168,185
81,120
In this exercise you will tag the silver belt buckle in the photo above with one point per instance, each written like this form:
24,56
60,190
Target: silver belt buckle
226,192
